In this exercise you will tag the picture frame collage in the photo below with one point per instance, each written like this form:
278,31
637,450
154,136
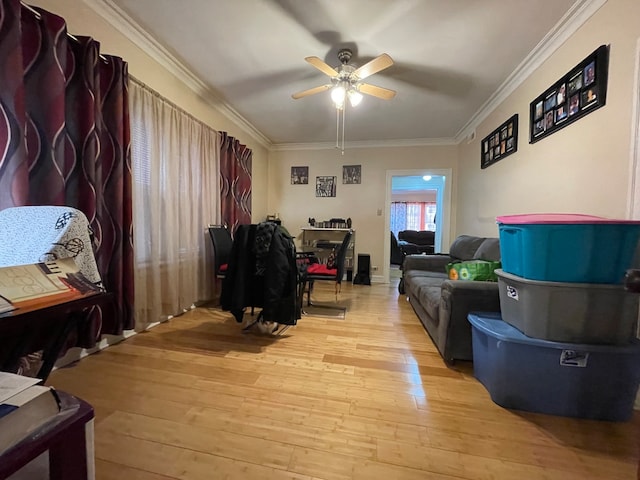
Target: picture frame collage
579,92
500,143
326,184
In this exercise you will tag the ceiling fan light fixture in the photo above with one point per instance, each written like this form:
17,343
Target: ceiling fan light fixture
338,95
355,97
346,83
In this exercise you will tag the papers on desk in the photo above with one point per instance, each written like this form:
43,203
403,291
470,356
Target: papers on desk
12,384
5,305
33,284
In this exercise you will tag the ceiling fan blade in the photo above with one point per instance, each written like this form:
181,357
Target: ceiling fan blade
374,66
323,67
311,91
379,92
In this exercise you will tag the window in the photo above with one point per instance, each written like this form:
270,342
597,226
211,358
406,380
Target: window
412,216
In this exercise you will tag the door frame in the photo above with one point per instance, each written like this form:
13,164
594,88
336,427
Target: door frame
445,214
633,208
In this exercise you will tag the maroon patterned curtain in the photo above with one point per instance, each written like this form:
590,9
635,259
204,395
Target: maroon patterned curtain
235,182
64,140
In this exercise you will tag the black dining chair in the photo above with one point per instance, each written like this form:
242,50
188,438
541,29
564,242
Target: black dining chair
319,272
222,243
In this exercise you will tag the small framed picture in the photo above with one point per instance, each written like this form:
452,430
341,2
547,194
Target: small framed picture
589,96
548,120
299,175
590,73
352,174
561,114
509,144
501,142
538,127
550,101
582,90
325,186
539,111
575,83
561,96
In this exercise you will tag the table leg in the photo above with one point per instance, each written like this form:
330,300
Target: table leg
68,458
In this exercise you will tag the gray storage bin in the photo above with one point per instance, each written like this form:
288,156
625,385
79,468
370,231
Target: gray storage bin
568,312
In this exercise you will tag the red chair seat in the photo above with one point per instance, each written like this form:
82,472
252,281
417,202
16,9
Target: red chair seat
321,269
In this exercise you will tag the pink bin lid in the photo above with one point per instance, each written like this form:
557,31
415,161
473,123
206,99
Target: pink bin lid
545,218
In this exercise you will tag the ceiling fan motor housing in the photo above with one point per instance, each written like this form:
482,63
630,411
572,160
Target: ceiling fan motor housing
345,55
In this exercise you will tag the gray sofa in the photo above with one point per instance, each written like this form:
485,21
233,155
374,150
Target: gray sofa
442,305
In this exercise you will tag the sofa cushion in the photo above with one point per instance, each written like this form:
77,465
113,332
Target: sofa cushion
417,237
464,247
488,250
415,279
429,297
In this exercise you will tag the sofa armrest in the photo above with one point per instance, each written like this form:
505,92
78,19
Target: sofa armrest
432,263
458,299
470,288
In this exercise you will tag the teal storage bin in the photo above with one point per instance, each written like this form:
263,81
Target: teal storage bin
598,382
567,247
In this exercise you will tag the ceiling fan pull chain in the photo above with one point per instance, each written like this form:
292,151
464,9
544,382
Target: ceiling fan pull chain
337,128
344,110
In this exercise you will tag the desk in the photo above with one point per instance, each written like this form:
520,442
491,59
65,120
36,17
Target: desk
42,327
69,439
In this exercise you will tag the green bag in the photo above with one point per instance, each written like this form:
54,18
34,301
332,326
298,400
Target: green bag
473,270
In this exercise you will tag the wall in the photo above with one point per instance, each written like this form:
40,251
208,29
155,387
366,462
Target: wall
82,20
583,168
296,203
423,196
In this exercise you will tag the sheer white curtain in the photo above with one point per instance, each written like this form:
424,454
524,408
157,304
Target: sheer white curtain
175,163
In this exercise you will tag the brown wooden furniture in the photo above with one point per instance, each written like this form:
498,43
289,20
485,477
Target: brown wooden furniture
42,327
69,439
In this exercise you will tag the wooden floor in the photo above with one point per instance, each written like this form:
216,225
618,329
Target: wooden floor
366,398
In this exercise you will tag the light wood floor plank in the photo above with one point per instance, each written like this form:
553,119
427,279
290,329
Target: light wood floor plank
367,397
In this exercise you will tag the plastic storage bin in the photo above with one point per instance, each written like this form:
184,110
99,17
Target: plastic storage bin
567,247
573,380
568,312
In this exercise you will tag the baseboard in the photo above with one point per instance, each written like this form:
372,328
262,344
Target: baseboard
76,353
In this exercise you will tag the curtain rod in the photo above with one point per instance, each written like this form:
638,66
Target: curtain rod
31,9
146,87
72,37
75,39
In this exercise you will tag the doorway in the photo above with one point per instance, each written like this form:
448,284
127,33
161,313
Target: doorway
430,183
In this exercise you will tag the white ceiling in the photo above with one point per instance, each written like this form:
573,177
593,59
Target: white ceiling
450,58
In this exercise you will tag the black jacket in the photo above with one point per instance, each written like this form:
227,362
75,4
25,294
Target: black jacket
262,274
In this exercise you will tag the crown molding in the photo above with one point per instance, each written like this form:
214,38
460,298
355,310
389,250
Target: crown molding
410,142
577,15
122,22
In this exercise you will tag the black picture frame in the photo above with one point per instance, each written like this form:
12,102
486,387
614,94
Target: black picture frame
299,175
500,143
325,186
352,174
579,92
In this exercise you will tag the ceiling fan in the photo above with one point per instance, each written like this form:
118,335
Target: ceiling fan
346,79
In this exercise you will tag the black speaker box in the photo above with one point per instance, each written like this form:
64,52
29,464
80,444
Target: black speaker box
364,268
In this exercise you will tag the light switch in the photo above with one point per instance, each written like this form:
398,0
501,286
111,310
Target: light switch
379,212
